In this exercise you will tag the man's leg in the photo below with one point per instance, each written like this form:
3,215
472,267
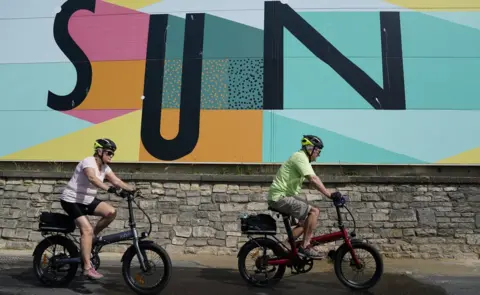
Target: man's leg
310,225
106,211
296,232
309,216
295,208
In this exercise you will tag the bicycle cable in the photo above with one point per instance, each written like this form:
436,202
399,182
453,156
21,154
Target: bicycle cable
354,223
149,220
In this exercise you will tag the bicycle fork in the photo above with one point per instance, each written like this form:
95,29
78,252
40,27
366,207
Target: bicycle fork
354,255
140,253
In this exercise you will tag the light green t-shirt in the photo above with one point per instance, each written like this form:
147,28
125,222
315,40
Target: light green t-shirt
289,178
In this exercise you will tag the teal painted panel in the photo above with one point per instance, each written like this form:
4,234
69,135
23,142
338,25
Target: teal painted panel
245,84
353,33
441,62
228,39
428,36
25,86
175,36
25,119
215,84
284,135
34,127
232,73
442,83
310,83
268,123
466,18
233,65
417,133
172,80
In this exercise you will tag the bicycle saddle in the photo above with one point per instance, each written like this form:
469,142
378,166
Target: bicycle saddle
275,210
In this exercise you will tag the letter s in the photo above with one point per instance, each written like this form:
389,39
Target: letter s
74,54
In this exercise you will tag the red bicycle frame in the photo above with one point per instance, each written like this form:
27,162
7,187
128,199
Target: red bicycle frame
321,239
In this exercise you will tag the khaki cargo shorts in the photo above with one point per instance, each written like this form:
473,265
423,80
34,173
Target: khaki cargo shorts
292,206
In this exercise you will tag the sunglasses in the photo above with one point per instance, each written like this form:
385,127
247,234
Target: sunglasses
110,153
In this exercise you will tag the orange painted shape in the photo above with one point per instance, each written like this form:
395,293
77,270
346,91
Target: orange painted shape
115,85
225,136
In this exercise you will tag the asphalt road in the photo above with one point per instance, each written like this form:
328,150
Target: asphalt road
190,279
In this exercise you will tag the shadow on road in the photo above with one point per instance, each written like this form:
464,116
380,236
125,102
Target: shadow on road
208,281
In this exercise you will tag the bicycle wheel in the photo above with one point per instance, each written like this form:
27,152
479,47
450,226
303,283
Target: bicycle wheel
137,282
340,258
50,276
260,263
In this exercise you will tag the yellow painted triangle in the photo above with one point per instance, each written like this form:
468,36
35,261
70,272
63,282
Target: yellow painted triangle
438,5
133,4
468,157
124,130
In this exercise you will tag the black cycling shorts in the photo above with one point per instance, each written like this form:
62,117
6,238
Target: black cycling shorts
76,210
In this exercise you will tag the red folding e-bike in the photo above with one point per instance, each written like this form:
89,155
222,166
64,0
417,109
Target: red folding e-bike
264,224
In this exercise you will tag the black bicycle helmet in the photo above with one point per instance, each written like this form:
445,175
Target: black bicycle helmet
105,143
308,140
311,140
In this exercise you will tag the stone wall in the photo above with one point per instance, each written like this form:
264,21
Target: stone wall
403,220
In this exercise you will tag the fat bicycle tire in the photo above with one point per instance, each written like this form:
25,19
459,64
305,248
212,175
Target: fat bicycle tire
265,243
37,260
344,249
130,255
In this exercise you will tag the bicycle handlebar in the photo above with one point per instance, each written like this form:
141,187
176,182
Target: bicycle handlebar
341,201
125,194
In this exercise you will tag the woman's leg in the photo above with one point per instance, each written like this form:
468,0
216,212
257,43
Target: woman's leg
107,212
86,235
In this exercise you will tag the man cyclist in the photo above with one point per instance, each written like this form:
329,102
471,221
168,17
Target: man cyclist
287,183
79,197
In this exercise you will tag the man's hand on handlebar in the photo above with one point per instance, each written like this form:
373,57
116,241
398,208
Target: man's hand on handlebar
337,198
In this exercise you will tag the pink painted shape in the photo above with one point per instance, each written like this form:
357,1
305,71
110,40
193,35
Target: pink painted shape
97,116
111,33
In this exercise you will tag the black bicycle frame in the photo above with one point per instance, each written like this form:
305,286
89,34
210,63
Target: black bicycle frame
114,238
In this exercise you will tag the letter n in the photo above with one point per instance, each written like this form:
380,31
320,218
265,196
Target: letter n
279,16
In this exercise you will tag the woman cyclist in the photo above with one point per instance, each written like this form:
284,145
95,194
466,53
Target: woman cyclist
79,197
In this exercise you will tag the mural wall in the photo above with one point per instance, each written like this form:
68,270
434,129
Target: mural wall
240,81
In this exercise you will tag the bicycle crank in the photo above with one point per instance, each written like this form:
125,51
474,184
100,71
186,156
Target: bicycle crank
303,267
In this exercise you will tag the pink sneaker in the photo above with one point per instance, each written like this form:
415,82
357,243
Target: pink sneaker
92,274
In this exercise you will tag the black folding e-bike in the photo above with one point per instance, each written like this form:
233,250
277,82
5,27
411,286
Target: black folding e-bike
59,227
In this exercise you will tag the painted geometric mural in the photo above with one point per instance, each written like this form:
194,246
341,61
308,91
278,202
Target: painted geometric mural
380,81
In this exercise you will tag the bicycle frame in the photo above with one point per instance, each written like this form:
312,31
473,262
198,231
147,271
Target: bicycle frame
131,234
321,239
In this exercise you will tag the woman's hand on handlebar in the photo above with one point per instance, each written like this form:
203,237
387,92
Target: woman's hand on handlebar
112,190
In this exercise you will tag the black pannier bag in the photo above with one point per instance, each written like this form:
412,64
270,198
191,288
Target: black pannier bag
262,224
50,221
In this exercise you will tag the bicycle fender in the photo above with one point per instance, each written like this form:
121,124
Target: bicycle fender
258,240
50,240
356,240
352,241
132,248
